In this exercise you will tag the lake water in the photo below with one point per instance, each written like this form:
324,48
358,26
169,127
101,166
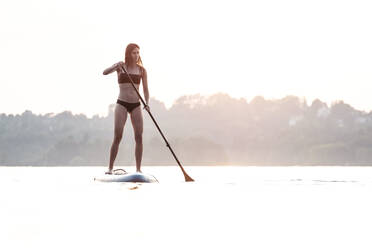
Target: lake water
226,206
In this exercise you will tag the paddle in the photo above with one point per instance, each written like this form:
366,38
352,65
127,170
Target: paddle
187,177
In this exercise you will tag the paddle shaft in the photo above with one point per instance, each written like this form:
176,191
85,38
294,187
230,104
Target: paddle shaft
187,177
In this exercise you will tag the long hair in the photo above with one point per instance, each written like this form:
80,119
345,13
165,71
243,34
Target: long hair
128,57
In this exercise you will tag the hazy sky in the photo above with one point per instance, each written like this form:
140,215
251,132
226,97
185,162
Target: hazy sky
53,53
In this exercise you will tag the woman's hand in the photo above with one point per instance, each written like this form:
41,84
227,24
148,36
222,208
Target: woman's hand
147,107
114,67
119,65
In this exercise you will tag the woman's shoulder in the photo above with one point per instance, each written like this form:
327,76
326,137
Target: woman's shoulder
142,69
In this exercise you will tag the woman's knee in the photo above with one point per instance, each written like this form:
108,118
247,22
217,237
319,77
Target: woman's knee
138,138
118,137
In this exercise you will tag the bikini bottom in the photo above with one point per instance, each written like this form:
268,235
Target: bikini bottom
128,105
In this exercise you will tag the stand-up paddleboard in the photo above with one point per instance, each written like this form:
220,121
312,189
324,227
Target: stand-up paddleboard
134,177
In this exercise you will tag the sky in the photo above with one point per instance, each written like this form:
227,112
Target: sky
53,53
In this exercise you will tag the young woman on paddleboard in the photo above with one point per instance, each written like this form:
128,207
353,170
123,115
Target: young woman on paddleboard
128,101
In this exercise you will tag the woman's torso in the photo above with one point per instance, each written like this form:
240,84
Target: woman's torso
127,93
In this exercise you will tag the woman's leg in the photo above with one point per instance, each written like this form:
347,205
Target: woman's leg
137,123
120,116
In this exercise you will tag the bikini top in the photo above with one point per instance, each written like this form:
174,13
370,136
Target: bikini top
124,78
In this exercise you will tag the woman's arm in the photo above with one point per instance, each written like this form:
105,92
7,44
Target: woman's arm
145,86
112,68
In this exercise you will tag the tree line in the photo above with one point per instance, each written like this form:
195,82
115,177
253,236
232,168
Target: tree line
202,130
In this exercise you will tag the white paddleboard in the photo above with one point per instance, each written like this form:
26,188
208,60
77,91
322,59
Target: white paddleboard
134,177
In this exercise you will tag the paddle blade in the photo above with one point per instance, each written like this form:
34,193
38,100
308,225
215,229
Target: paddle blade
188,178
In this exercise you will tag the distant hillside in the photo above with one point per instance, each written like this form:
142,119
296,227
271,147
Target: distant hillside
217,129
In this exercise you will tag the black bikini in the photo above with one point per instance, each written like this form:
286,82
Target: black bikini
122,79
128,105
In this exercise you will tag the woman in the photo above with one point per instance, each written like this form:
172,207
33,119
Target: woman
128,102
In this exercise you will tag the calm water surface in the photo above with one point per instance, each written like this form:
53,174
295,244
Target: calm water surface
226,206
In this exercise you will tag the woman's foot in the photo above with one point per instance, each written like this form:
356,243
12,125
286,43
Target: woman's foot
122,171
116,171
